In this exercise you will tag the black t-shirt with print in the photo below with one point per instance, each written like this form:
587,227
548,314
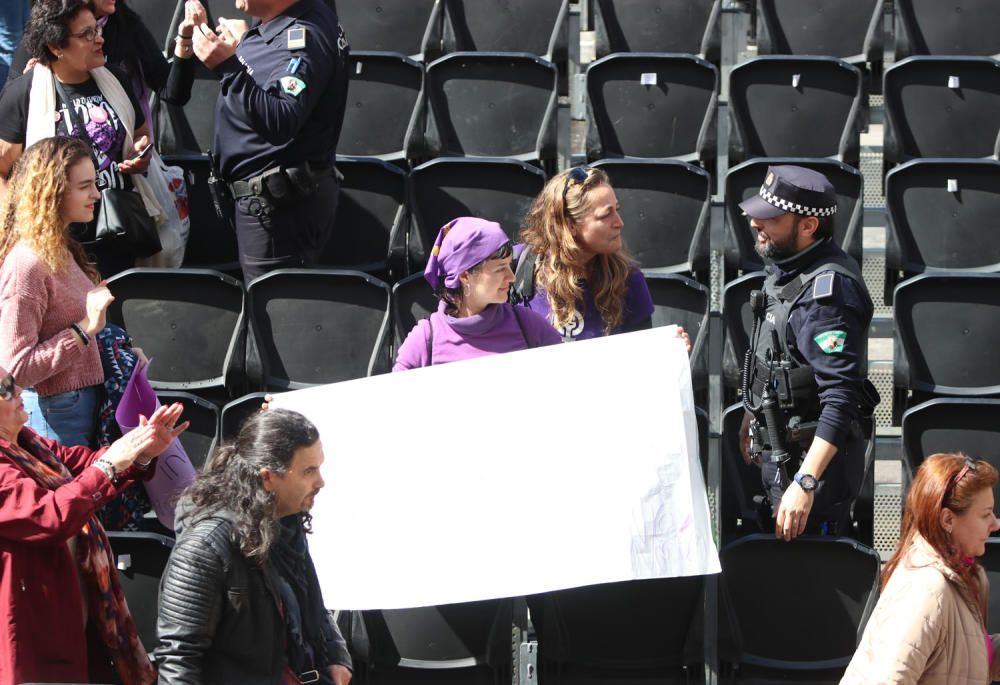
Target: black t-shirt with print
103,127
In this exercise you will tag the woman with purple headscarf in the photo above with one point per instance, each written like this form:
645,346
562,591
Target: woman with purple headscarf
470,271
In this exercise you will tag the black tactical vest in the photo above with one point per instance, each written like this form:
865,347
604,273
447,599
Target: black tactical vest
795,380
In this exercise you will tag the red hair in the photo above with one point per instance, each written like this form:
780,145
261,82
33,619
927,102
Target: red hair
938,479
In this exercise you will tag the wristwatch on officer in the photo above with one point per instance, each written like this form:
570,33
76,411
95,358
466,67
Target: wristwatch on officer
806,481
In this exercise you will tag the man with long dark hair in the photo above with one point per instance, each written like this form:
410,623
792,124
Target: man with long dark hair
239,600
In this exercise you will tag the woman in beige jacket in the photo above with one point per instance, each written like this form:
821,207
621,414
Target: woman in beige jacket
929,624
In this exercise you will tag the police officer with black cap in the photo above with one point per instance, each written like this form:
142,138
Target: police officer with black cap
278,119
805,385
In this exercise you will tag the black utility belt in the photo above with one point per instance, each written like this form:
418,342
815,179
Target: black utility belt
282,186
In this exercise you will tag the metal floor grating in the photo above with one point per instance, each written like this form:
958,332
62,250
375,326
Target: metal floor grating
873,271
880,374
715,279
871,170
888,509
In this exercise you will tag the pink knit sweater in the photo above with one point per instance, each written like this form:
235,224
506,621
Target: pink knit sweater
37,308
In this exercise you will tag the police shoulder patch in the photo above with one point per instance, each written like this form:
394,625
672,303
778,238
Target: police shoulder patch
823,286
292,85
831,341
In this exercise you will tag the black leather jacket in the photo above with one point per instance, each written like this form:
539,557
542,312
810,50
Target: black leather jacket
220,618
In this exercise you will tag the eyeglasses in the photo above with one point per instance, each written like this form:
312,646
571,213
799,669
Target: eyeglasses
89,34
8,386
969,465
577,174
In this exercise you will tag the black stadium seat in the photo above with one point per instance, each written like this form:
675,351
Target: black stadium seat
483,104
690,26
443,189
951,424
941,107
412,300
161,18
640,631
384,116
202,436
188,321
371,215
744,180
665,205
850,29
237,411
802,106
956,27
937,209
405,26
460,644
538,27
947,328
652,105
140,559
741,482
991,564
683,301
316,326
737,321
767,641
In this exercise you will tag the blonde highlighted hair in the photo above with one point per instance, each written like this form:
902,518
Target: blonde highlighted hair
548,233
33,207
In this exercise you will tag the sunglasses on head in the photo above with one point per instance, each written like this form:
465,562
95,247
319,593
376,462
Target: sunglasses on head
969,465
577,174
7,387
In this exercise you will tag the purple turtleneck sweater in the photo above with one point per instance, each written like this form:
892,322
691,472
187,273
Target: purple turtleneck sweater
493,331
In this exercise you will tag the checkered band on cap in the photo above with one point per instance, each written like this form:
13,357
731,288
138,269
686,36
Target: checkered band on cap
794,207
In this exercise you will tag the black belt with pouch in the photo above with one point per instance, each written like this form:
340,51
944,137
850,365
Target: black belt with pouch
281,187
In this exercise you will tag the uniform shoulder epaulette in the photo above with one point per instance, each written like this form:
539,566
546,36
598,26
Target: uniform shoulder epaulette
823,285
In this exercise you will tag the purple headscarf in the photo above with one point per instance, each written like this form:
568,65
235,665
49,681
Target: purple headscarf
460,245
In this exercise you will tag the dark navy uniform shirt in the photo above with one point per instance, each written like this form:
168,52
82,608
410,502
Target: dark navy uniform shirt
283,94
830,334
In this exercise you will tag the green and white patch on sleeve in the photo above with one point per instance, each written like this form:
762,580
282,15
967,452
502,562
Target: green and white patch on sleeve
292,85
831,341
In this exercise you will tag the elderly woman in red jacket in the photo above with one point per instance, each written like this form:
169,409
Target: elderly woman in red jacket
63,616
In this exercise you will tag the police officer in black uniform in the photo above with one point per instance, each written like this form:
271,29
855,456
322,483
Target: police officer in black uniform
278,118
805,385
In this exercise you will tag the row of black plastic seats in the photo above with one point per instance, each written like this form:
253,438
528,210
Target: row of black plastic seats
295,328
849,29
636,631
645,105
941,424
387,219
946,327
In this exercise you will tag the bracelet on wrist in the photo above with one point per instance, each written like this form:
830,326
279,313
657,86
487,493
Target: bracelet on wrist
84,338
108,468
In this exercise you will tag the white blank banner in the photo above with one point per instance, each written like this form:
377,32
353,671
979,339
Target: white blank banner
509,475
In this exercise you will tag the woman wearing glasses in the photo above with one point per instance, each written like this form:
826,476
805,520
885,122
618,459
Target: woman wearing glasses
574,269
929,624
71,92
128,45
469,270
52,303
63,616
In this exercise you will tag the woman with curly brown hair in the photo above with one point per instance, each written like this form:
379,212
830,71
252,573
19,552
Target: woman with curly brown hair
574,268
930,622
52,304
71,92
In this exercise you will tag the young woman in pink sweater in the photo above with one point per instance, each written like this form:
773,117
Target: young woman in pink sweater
52,304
